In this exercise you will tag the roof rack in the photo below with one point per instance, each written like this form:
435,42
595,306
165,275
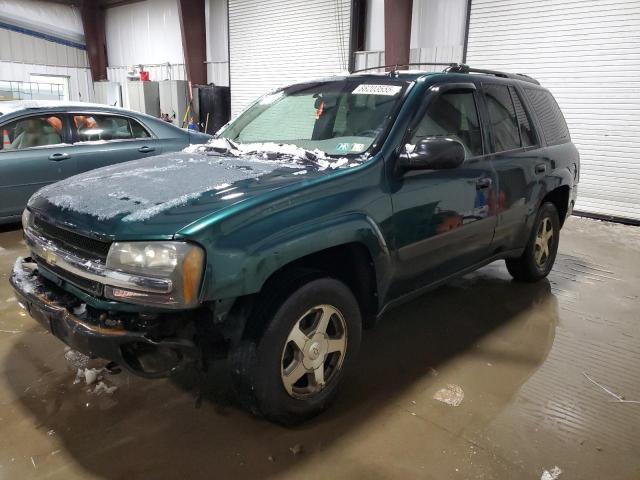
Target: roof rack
462,68
394,66
455,68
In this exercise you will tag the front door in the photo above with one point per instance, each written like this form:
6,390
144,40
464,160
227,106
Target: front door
34,153
444,219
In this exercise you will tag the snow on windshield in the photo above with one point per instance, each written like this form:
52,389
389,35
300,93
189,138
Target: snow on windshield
272,150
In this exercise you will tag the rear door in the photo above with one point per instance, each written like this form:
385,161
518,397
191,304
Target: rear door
35,152
101,139
519,160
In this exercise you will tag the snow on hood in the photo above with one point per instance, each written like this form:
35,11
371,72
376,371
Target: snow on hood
142,189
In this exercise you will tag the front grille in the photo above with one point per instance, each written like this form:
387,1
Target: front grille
86,247
80,282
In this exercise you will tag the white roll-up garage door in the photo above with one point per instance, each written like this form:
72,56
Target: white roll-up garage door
587,52
276,42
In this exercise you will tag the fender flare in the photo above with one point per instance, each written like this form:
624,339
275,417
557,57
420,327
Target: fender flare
287,246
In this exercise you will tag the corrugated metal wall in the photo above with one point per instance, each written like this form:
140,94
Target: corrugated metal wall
22,55
587,52
276,42
46,17
22,48
80,84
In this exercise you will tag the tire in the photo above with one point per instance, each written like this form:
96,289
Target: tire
536,261
267,362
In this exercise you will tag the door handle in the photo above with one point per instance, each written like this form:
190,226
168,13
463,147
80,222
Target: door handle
541,168
483,183
56,157
146,149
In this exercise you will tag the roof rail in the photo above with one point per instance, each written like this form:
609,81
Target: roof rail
453,67
462,68
394,66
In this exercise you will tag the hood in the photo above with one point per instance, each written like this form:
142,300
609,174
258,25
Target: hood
157,196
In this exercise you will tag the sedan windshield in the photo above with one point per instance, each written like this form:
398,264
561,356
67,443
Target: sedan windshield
337,117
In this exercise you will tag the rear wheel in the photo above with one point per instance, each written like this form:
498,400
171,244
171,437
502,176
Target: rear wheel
540,253
291,371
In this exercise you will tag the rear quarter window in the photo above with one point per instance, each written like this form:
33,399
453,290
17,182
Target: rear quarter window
554,126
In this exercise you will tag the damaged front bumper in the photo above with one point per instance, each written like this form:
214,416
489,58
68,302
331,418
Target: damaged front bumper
97,335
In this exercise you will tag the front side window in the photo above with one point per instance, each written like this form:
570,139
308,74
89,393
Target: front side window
89,128
30,132
337,117
502,118
452,115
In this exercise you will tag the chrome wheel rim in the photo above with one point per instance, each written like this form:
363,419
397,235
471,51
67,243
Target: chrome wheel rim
544,240
314,351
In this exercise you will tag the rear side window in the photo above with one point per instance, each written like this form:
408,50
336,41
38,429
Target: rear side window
502,117
527,136
106,127
546,108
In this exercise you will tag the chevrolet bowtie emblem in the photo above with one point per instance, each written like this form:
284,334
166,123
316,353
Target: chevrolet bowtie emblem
50,257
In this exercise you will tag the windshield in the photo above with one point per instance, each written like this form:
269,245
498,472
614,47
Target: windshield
337,117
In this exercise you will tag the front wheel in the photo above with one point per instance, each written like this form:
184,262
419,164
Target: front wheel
292,371
540,253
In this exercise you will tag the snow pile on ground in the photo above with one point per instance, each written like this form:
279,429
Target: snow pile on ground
552,474
451,395
91,376
76,359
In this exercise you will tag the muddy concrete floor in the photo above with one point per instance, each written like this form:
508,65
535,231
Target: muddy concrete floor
518,352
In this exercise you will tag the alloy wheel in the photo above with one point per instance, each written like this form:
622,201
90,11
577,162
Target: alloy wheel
314,351
543,243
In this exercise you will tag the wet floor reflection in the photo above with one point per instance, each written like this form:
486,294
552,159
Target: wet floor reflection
517,351
153,428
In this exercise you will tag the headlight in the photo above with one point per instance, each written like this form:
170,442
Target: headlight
181,262
26,218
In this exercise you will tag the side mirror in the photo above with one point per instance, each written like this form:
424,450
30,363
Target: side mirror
437,153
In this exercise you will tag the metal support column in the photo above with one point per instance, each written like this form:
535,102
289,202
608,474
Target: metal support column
94,35
192,25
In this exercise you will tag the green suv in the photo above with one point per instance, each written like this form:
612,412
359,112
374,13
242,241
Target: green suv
320,207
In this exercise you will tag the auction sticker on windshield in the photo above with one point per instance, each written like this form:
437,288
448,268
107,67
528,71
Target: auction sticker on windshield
369,89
